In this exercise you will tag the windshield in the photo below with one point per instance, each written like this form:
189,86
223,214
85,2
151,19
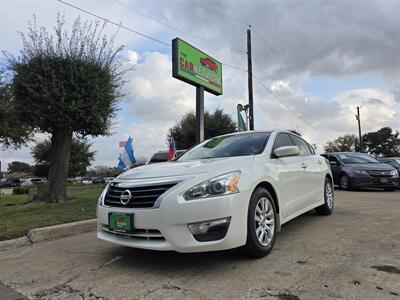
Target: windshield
228,146
357,159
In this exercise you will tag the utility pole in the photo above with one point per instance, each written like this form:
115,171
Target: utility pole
250,79
359,129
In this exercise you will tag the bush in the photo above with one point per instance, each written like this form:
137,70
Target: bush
22,190
19,191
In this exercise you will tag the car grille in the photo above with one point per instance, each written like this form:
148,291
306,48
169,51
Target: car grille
380,173
142,196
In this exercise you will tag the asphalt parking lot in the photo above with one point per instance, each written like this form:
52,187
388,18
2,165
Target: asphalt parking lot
352,254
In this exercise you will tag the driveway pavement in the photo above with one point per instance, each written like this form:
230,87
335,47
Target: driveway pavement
352,254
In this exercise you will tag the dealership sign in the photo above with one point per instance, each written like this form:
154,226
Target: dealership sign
196,67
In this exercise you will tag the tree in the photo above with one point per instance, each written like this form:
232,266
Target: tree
64,85
216,123
382,142
345,143
19,167
81,157
103,171
13,133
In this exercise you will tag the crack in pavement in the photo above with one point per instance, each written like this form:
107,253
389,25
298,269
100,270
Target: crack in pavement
65,291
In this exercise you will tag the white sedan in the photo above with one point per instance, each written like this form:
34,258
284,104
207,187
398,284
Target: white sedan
231,191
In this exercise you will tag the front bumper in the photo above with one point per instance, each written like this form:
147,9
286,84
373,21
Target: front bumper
373,182
166,227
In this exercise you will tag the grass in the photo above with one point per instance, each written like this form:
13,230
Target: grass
17,216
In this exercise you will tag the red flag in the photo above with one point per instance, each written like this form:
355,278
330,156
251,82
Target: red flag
122,144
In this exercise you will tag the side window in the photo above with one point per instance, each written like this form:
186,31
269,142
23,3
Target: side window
332,158
311,149
304,149
282,140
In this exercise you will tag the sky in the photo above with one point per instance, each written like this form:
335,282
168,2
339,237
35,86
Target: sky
314,62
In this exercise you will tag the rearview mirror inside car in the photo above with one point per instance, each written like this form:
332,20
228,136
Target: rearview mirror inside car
287,151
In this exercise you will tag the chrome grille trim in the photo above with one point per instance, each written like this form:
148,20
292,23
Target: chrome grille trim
143,196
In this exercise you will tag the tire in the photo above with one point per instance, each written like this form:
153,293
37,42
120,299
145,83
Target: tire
260,234
344,182
390,189
329,198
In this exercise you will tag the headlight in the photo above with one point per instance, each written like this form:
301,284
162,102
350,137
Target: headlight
360,172
217,186
394,173
103,194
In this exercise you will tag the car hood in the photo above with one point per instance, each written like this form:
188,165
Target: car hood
215,166
372,167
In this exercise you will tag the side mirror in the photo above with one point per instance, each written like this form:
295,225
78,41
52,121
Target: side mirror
287,151
333,163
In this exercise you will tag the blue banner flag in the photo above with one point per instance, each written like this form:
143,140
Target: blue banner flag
127,156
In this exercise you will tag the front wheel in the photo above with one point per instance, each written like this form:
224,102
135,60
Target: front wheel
329,200
261,224
344,182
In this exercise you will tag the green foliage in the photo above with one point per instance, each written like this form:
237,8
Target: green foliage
19,191
67,81
345,143
81,157
19,167
103,171
216,123
63,85
383,142
13,133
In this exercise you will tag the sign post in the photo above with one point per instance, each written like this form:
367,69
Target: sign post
199,114
197,68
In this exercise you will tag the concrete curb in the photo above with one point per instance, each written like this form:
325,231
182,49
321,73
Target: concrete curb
38,235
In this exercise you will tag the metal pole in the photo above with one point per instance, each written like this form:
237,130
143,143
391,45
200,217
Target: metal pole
359,129
199,114
250,79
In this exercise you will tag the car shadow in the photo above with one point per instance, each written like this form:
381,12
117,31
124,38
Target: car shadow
159,261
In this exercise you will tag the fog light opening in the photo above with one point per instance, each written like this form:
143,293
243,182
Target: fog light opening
212,230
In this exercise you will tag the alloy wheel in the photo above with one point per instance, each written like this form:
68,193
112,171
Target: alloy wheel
264,221
329,195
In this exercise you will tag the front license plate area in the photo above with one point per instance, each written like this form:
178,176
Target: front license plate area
120,222
383,180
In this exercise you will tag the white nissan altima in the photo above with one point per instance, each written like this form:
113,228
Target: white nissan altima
230,191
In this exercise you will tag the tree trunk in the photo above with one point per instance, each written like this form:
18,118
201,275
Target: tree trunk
59,162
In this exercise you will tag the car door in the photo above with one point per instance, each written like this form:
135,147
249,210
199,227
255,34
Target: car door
336,168
312,178
289,177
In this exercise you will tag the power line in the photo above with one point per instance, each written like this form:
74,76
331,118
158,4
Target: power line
218,13
119,25
271,50
114,23
177,29
288,108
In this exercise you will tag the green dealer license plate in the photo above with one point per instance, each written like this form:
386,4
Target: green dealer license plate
120,222
383,180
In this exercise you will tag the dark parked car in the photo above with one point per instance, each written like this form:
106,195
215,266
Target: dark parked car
358,170
10,182
391,161
162,156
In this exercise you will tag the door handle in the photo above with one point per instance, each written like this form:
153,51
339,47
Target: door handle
303,165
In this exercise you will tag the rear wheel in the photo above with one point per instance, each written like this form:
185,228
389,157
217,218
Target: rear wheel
327,208
261,224
344,182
